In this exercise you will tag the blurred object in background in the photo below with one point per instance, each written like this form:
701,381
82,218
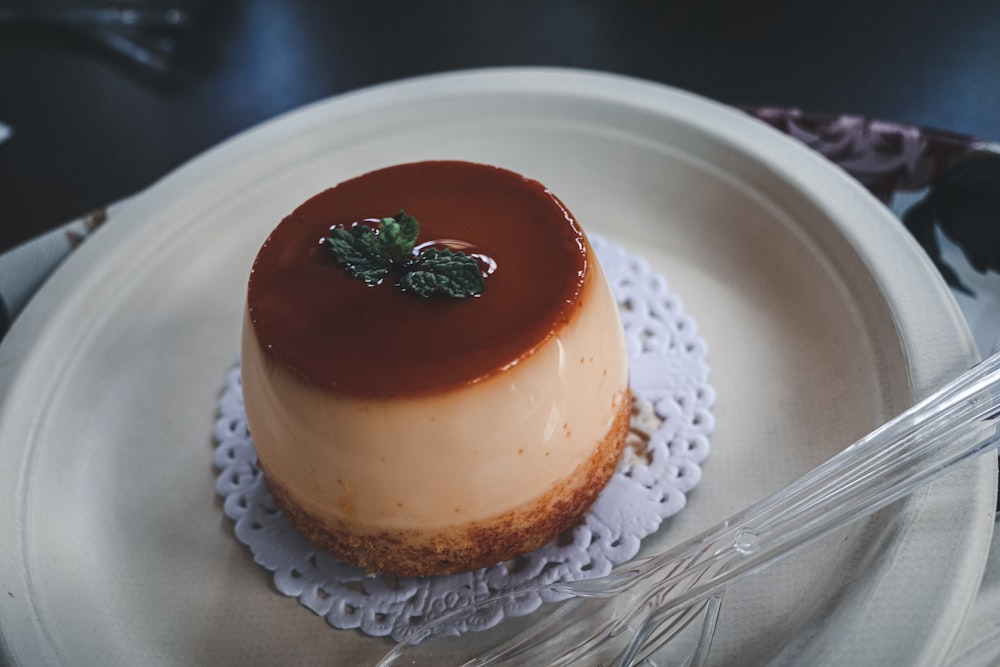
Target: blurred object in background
142,31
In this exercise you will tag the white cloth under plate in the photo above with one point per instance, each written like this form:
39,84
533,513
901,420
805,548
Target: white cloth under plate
670,429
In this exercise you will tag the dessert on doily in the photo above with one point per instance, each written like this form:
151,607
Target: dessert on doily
669,437
433,368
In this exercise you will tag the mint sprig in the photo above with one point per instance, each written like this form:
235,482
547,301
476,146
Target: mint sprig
372,254
398,235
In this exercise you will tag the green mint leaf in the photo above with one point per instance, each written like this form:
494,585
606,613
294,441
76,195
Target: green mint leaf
359,250
443,271
372,254
398,235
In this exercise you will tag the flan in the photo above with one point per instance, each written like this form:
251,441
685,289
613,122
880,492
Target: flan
431,435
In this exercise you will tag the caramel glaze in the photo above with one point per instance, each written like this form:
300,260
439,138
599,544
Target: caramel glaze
337,332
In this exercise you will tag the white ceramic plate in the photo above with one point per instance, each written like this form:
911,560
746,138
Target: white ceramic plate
822,317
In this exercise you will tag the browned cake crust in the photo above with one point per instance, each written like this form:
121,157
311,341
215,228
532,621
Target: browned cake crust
471,546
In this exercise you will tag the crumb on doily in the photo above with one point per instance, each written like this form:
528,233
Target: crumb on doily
644,423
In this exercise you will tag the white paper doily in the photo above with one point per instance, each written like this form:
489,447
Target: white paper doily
670,428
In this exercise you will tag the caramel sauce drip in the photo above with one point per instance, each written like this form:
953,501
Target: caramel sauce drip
335,331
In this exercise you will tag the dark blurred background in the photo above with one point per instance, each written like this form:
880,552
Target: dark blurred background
104,104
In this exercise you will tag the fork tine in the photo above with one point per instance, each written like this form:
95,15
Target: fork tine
592,622
587,639
596,638
645,644
665,629
712,610
580,639
538,634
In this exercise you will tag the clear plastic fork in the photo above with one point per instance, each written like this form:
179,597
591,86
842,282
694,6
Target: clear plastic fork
624,617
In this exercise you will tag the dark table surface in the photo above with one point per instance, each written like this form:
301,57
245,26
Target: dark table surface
92,126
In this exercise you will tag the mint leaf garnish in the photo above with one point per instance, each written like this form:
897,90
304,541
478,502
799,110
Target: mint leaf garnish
443,271
371,254
359,251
